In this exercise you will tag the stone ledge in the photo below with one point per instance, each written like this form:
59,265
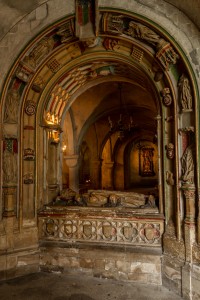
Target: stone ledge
114,247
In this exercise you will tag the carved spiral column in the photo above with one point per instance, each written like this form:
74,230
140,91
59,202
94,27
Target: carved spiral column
72,163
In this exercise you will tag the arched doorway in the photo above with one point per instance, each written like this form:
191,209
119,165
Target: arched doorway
63,89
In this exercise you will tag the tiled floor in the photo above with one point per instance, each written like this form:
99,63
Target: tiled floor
74,286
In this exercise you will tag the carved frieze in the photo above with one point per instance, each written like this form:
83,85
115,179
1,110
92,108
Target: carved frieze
122,25
132,232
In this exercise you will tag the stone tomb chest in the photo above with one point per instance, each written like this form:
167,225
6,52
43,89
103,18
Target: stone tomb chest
79,229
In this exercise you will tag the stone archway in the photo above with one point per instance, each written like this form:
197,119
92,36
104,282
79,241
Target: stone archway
45,83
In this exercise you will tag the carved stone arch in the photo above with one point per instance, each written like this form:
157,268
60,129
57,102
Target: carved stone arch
27,197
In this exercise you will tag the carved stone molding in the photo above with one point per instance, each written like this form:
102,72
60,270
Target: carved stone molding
116,231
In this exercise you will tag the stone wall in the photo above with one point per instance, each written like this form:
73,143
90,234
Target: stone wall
124,263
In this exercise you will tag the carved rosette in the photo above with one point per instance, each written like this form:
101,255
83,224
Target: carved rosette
30,108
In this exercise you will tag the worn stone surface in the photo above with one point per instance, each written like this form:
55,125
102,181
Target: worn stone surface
107,263
18,263
79,286
172,273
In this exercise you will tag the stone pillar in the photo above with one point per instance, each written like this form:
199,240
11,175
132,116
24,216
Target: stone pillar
72,163
189,222
189,234
160,187
9,201
52,172
95,174
108,175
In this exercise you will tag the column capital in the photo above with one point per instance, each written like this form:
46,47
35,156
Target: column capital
71,160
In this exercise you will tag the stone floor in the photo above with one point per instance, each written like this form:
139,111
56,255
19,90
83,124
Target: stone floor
73,286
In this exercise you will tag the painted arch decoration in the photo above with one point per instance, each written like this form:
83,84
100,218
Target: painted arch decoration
58,65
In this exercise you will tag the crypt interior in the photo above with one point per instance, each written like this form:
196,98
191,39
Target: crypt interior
100,140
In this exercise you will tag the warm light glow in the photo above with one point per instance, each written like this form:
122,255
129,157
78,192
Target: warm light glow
124,123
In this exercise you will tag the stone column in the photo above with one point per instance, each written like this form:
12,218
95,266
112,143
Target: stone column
72,163
189,222
52,176
189,234
160,187
107,169
95,174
